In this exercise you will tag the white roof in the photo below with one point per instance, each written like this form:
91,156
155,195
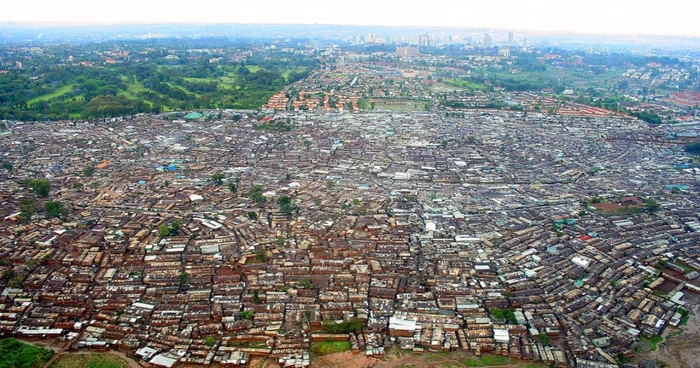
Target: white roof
501,335
163,361
143,305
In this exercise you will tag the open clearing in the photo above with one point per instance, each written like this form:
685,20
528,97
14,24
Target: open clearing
89,360
57,93
677,347
397,358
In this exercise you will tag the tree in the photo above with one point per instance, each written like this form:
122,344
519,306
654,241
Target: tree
8,166
27,208
256,296
183,278
233,188
163,230
41,187
306,284
209,341
261,255
252,215
218,178
89,171
285,203
693,148
255,194
175,227
246,315
55,209
651,205
8,275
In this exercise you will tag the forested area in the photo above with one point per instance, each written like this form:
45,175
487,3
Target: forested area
54,87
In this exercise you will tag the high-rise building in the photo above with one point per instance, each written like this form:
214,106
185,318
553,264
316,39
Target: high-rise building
486,42
510,39
424,40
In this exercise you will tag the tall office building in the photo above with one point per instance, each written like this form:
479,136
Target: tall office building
486,42
510,39
424,40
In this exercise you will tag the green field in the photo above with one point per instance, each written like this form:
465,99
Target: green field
463,83
300,69
193,79
132,92
487,360
568,78
57,93
329,347
650,344
16,354
90,361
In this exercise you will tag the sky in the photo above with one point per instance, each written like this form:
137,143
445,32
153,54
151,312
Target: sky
667,17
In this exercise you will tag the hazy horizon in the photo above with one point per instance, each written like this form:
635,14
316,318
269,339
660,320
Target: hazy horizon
624,17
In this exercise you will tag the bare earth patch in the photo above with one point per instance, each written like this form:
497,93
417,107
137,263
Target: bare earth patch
680,348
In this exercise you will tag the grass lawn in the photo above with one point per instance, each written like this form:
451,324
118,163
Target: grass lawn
57,93
193,79
465,84
651,343
16,354
567,77
253,68
90,361
132,91
300,69
487,360
329,347
183,89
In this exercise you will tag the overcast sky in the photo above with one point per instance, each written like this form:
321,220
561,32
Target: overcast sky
677,17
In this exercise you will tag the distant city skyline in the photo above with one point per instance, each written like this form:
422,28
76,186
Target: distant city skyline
672,17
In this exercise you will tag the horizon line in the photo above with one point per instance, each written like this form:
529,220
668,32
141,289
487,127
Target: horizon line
541,31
